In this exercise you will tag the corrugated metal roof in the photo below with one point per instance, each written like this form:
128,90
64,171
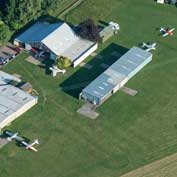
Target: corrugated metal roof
58,37
37,32
11,98
5,78
119,71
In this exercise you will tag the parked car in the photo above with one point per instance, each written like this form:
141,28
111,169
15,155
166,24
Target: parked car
3,61
10,56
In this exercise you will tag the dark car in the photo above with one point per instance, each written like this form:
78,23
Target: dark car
3,61
10,56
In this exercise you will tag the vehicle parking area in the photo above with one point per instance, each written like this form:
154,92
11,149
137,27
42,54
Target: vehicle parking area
8,53
6,50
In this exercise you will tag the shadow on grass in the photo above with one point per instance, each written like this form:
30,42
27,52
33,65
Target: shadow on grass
46,64
81,78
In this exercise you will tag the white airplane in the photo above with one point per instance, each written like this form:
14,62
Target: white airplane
166,31
114,25
149,46
20,140
30,146
55,70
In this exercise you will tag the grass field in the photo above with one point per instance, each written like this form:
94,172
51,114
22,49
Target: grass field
131,131
166,167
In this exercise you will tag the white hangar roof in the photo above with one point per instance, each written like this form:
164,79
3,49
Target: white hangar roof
58,37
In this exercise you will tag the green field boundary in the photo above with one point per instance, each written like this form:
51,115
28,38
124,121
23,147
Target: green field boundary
70,7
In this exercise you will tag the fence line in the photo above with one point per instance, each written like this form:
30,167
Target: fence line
70,7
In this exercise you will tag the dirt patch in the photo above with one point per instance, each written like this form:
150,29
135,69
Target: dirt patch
33,60
88,110
3,142
129,91
9,49
166,167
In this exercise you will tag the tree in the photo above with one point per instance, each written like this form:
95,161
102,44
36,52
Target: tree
4,33
19,12
62,62
88,30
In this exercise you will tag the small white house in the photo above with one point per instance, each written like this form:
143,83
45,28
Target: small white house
58,39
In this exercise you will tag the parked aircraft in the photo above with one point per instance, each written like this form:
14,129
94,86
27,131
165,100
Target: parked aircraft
166,31
55,70
14,136
148,46
30,146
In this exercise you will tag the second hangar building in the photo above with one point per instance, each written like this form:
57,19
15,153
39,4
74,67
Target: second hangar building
116,76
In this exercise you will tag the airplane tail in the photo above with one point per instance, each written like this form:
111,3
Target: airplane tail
34,142
30,146
143,44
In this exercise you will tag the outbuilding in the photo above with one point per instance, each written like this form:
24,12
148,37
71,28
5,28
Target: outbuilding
13,101
116,76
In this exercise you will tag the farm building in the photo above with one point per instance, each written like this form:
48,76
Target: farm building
58,39
116,76
13,101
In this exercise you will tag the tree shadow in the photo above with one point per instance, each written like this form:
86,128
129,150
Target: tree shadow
81,78
46,64
103,23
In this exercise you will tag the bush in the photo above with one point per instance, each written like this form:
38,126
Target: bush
89,30
63,62
4,33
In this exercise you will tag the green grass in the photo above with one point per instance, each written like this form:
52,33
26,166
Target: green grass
131,131
58,7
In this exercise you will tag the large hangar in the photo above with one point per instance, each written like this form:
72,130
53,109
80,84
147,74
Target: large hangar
116,76
59,39
13,101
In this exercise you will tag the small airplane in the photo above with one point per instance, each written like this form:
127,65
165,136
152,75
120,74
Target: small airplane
115,26
14,136
56,70
166,31
30,146
148,46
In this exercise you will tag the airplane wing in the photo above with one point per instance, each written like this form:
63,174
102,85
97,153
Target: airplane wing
165,34
172,30
148,50
32,148
12,137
